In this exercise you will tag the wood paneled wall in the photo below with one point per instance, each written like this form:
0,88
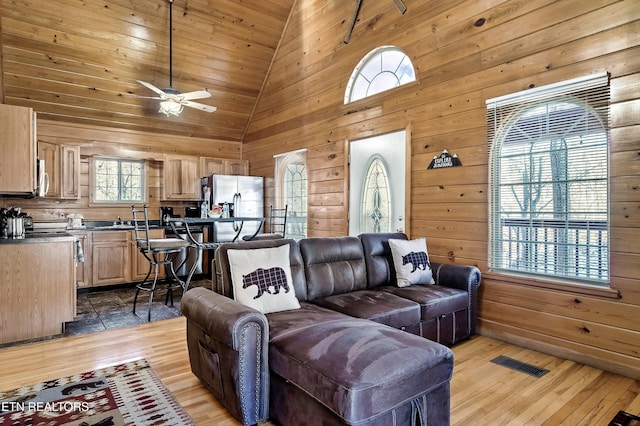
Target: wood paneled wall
119,143
465,52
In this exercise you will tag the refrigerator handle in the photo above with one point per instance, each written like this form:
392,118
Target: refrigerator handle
237,199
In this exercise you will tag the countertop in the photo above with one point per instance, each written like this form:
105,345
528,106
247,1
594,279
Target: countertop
40,237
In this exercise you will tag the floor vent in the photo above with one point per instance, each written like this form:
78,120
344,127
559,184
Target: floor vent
520,366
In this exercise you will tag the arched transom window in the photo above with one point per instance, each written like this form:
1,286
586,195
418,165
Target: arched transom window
381,69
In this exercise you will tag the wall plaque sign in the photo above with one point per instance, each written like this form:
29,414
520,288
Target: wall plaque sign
444,160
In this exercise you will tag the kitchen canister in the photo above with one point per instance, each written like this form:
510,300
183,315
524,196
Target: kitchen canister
15,227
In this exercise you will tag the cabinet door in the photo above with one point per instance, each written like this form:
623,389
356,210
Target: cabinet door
236,167
139,263
70,172
110,258
18,148
180,178
83,269
211,166
50,153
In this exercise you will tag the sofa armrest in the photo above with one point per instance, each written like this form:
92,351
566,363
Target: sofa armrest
228,352
462,277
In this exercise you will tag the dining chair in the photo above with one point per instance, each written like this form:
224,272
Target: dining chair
277,225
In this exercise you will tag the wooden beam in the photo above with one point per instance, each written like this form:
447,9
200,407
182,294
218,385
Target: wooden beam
353,22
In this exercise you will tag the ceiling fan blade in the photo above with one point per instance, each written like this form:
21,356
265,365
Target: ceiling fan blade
152,88
202,107
198,94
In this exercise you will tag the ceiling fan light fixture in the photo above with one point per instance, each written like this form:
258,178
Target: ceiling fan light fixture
170,107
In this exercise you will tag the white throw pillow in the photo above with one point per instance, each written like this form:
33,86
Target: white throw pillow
261,279
411,261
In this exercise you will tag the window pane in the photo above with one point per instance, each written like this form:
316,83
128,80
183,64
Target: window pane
376,199
118,180
550,187
382,69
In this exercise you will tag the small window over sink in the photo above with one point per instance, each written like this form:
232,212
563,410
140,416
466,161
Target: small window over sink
118,180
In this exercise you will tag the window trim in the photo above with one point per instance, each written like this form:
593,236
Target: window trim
120,203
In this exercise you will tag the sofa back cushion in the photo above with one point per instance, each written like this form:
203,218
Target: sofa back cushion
333,266
378,258
224,283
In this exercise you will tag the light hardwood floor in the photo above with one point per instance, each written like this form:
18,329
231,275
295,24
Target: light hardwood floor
482,393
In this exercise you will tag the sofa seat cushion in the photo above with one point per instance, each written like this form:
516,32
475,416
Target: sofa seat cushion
356,368
434,300
378,306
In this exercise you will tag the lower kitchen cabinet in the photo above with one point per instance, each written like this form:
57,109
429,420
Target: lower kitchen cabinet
37,289
110,258
83,269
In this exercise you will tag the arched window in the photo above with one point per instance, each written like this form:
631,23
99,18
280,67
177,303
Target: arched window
376,198
291,174
381,69
549,181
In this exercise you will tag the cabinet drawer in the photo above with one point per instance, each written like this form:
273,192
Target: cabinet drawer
110,236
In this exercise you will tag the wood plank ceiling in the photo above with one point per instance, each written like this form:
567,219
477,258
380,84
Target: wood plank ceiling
78,60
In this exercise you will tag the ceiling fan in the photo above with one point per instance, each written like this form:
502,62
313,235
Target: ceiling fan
173,102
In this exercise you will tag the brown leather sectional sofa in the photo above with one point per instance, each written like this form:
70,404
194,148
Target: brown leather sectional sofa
359,351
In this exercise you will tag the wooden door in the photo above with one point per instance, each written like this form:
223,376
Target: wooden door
50,153
110,258
180,178
70,172
18,148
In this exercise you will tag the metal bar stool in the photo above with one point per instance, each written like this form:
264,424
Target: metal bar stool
161,251
277,225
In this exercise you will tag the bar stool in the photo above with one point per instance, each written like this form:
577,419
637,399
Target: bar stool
161,251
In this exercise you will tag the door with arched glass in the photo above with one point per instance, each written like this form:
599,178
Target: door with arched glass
377,176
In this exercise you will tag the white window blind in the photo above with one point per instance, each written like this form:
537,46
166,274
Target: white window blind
548,174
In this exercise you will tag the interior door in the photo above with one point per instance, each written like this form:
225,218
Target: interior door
377,183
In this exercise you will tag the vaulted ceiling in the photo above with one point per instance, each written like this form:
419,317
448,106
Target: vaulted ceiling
78,60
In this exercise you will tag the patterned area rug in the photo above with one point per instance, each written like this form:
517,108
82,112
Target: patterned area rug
125,394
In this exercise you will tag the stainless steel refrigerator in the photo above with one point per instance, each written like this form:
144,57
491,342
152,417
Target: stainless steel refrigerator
245,196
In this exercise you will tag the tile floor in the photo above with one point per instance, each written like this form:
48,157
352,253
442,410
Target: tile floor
104,310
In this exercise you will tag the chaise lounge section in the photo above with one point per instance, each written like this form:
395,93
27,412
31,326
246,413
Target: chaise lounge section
352,353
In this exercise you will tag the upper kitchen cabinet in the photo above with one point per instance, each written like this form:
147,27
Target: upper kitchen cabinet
211,166
181,178
18,147
62,164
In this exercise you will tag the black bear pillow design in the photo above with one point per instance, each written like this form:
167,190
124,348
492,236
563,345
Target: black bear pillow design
261,279
411,260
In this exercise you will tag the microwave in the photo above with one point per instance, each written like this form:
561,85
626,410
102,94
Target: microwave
43,180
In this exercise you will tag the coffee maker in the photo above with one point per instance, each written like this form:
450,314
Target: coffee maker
166,213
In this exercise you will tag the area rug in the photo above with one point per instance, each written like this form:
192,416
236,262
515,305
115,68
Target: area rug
121,395
625,419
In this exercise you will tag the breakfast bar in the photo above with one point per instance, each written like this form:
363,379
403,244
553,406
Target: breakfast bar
189,222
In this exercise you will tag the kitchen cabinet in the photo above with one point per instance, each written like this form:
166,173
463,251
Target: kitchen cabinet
139,263
18,147
110,258
37,287
62,164
70,172
181,179
236,167
83,269
220,166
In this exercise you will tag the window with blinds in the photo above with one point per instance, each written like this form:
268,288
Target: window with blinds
548,181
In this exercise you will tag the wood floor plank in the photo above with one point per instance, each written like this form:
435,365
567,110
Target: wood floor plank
482,393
